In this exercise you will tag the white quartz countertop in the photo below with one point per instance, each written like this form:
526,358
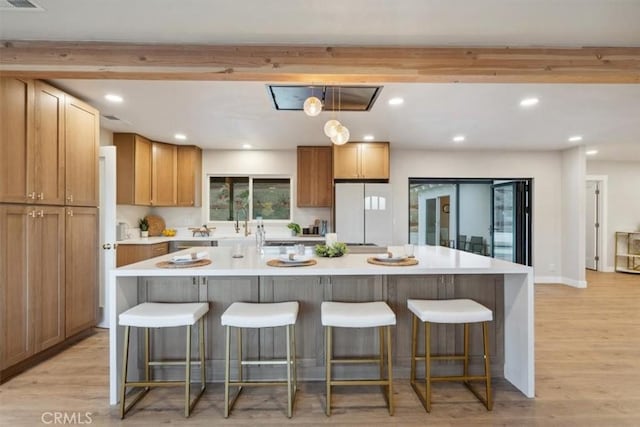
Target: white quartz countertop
431,260
212,237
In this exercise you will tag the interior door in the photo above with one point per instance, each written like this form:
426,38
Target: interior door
107,218
591,232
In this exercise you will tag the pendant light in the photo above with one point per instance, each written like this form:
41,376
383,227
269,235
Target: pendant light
338,133
312,105
330,127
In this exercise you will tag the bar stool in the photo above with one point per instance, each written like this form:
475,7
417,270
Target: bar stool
359,315
449,311
163,315
260,315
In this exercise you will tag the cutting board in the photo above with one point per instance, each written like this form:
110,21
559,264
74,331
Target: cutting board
156,225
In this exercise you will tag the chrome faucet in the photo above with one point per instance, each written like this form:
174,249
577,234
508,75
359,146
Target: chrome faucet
247,231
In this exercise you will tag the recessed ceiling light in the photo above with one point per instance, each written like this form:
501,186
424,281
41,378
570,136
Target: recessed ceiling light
575,138
246,146
458,138
112,97
180,136
368,137
529,102
591,152
396,101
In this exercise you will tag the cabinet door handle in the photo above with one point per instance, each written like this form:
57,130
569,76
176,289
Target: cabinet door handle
31,195
32,214
40,196
70,212
41,213
106,246
70,198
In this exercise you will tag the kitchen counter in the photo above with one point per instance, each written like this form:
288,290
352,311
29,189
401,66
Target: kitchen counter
504,287
214,237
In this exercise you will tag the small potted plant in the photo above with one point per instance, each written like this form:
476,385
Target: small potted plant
144,227
295,228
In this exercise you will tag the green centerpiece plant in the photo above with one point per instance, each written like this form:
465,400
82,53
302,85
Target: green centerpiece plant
336,250
144,227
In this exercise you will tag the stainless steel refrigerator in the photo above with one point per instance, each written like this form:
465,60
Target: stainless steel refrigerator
364,213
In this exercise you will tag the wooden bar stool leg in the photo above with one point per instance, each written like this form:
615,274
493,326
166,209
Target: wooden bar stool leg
427,365
227,351
487,365
187,375
327,333
390,371
125,364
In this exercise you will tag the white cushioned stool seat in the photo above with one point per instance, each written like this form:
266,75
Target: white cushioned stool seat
357,314
260,315
163,315
450,311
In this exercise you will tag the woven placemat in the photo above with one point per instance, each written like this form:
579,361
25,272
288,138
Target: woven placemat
278,263
403,263
169,264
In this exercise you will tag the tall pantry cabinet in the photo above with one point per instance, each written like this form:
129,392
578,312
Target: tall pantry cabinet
48,221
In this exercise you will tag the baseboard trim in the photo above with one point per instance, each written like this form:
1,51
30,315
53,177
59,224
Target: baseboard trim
560,281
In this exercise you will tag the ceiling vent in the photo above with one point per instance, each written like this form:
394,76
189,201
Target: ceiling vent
111,117
20,5
344,98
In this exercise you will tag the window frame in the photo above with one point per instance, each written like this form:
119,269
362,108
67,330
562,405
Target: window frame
250,199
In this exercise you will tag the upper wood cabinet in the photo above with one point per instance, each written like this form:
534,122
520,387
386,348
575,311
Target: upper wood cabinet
189,180
49,145
163,174
16,140
361,160
157,174
82,140
315,179
133,169
81,291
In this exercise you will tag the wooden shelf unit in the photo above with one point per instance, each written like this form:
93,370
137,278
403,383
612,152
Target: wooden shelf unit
628,252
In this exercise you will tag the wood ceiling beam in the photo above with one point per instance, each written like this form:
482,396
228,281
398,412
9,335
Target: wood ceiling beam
318,64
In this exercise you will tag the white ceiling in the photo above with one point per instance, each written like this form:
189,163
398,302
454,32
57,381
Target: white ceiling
229,114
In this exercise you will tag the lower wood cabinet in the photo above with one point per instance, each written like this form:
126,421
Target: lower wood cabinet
128,254
32,253
81,269
48,279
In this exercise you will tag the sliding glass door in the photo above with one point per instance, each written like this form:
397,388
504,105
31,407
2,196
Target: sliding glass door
509,231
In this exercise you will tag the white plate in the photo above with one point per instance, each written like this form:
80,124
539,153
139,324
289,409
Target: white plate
386,258
296,259
185,261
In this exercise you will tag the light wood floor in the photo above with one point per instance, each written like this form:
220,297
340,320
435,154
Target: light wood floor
587,374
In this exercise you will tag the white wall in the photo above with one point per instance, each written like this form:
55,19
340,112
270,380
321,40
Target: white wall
573,217
544,167
623,198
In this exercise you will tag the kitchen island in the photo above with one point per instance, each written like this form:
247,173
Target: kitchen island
504,287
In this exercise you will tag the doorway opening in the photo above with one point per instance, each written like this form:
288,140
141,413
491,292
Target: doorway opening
486,216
